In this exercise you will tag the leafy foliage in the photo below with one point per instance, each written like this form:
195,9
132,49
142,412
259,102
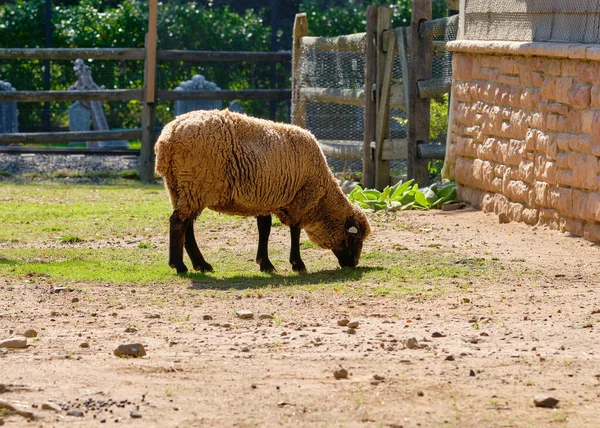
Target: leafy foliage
404,196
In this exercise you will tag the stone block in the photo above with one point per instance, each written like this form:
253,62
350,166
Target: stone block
564,177
591,231
514,153
579,95
595,126
486,151
572,122
462,66
572,226
581,143
587,72
552,122
558,108
548,88
464,193
489,74
569,67
462,91
464,171
585,170
501,204
531,139
587,119
595,97
509,79
527,171
579,201
549,217
515,211
530,98
518,123
487,176
518,191
546,170
537,79
592,210
530,216
541,190
538,120
562,160
476,172
514,96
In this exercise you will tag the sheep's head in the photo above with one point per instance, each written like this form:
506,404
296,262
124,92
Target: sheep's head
356,229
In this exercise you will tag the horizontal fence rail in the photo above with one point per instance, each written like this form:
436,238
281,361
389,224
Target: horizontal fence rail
246,94
346,43
75,95
67,151
56,137
138,54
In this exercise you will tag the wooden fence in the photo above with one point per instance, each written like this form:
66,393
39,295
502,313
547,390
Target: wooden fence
149,95
380,44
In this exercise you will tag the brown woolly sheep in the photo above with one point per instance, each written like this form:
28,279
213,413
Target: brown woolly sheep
236,164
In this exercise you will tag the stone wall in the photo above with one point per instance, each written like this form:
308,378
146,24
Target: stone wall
525,132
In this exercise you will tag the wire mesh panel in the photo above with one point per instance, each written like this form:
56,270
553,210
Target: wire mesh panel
334,122
533,20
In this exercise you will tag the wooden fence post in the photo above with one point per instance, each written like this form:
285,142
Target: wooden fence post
298,103
382,167
370,97
420,51
149,101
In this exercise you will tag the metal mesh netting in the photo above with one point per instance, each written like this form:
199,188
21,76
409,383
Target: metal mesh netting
533,20
339,123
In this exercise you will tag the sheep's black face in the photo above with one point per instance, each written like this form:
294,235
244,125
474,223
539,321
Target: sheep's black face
348,252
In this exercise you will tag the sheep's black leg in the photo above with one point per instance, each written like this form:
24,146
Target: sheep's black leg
176,240
262,255
295,260
191,246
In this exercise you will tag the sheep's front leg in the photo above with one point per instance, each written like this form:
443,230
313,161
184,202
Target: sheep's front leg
176,239
191,246
295,260
262,255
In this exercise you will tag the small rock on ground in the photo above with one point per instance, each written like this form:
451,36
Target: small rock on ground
49,405
412,343
266,317
14,343
135,414
130,350
340,374
30,333
353,324
245,315
343,322
75,412
541,400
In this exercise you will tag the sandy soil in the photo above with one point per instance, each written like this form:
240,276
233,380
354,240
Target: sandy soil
502,343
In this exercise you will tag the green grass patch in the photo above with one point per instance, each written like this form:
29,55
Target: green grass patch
121,232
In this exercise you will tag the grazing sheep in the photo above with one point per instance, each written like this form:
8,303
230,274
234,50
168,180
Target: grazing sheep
235,164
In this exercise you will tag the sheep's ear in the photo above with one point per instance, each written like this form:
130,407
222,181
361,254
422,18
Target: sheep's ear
352,228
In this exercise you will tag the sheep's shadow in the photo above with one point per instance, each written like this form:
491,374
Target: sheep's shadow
201,281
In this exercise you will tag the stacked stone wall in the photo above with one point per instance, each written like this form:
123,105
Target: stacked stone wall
525,137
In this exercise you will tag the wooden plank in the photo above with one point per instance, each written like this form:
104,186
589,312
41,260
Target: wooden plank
397,97
393,149
250,94
420,68
345,43
432,151
151,52
149,106
54,137
370,105
430,88
298,104
67,151
385,64
353,97
56,96
438,46
342,149
401,45
73,53
223,56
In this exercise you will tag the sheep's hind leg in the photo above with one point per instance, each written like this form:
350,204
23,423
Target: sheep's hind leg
262,255
191,246
295,260
176,240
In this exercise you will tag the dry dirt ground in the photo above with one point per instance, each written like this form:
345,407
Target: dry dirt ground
503,342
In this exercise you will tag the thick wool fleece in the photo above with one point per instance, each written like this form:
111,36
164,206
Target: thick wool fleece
236,164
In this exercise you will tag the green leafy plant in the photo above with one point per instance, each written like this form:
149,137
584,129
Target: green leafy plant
404,196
